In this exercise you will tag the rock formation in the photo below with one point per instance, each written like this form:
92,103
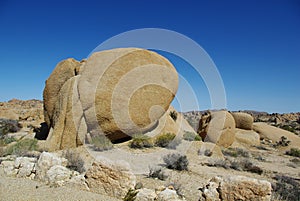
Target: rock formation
116,93
236,188
218,127
243,120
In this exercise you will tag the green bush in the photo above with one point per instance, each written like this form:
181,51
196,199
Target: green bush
22,147
173,114
176,161
294,152
165,139
75,162
101,143
190,136
141,141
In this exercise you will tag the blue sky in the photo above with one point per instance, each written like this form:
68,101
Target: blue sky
254,44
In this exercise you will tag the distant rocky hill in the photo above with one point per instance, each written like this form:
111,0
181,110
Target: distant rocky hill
286,121
25,111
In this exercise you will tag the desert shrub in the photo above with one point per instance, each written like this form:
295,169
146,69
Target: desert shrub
157,172
207,152
286,188
294,152
235,152
6,140
190,136
165,139
260,147
173,115
9,126
101,143
141,141
288,128
283,142
245,165
219,163
240,165
176,161
131,195
75,162
22,147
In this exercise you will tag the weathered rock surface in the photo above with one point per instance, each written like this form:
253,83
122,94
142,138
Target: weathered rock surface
127,90
168,195
27,112
237,188
273,133
243,120
145,194
58,174
117,93
218,127
63,72
108,178
45,162
25,166
248,137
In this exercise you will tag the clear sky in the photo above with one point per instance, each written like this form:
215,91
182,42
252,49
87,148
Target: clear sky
254,44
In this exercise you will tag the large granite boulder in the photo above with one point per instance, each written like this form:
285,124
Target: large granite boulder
243,120
217,127
125,91
63,72
117,93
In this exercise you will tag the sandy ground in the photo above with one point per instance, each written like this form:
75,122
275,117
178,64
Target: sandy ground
274,162
20,189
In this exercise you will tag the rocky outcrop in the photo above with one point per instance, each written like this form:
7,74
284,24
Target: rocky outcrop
116,93
217,127
236,188
29,112
45,162
274,134
106,177
243,120
146,194
49,168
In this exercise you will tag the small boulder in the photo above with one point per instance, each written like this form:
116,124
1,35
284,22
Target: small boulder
106,177
45,162
58,175
243,120
168,195
9,168
145,194
25,166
